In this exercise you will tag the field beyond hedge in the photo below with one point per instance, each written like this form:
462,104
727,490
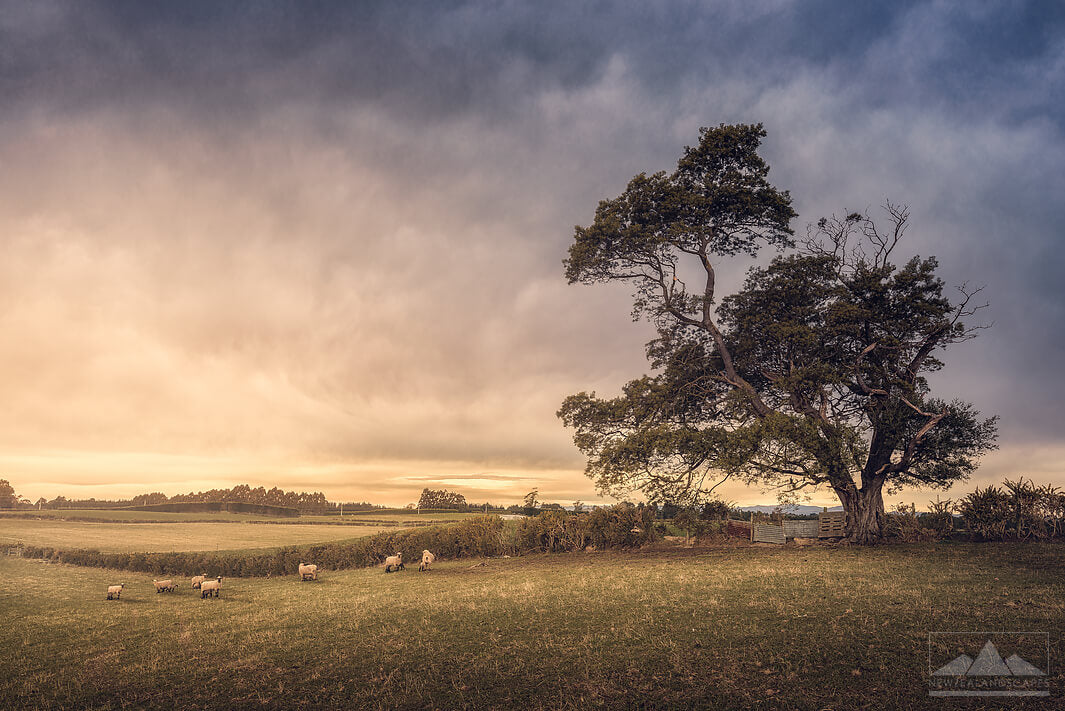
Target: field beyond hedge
158,537
729,627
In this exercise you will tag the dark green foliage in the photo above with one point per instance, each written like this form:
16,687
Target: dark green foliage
687,520
214,506
715,510
619,526
441,499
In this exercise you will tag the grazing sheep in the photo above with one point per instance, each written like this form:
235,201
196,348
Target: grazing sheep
163,585
209,587
394,561
308,572
198,581
427,560
114,592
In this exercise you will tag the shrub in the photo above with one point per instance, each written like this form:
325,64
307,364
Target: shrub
939,519
687,520
986,513
902,524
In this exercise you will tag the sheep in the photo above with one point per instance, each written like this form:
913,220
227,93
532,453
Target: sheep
394,561
427,560
163,585
308,572
198,581
114,592
209,587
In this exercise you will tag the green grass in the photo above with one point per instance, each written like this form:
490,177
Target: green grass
742,627
160,537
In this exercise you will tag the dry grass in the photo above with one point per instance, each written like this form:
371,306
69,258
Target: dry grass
726,628
159,537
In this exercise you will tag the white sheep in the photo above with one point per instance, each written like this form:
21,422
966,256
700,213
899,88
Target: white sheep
308,572
427,560
394,561
163,585
114,592
209,587
198,581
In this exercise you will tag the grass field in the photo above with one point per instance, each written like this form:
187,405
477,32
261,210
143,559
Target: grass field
159,537
742,627
113,515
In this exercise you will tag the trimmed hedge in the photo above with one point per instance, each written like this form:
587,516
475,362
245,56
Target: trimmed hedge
473,537
621,526
213,506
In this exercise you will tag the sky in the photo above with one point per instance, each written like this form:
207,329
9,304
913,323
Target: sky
319,245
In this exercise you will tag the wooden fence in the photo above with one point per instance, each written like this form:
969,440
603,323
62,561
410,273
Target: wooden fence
832,524
829,525
768,533
801,529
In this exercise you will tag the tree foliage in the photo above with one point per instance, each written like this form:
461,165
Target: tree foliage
441,499
8,499
813,374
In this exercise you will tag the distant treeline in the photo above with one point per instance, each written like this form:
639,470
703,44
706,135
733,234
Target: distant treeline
301,501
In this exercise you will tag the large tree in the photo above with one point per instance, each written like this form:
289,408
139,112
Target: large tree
812,375
8,499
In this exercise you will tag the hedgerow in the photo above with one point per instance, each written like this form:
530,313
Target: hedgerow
621,526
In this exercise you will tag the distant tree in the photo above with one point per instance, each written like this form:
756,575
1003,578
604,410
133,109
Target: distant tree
150,499
530,503
8,499
41,502
715,510
687,519
578,506
441,499
812,375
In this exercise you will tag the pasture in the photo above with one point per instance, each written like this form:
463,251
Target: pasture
124,515
161,537
728,627
154,532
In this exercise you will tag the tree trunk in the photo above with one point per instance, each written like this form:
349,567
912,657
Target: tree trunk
865,512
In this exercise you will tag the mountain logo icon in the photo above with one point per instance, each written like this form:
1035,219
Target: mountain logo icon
988,663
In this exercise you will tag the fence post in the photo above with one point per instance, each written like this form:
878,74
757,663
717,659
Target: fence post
752,527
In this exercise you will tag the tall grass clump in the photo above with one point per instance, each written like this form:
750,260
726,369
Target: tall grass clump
1020,511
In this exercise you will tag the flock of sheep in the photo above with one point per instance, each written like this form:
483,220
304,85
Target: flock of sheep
209,588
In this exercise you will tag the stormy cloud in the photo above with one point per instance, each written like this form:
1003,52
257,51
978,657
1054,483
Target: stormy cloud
319,245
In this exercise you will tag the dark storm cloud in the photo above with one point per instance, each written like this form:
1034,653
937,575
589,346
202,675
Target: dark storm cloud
439,57
336,228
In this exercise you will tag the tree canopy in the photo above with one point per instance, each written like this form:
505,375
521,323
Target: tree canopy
441,499
813,374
